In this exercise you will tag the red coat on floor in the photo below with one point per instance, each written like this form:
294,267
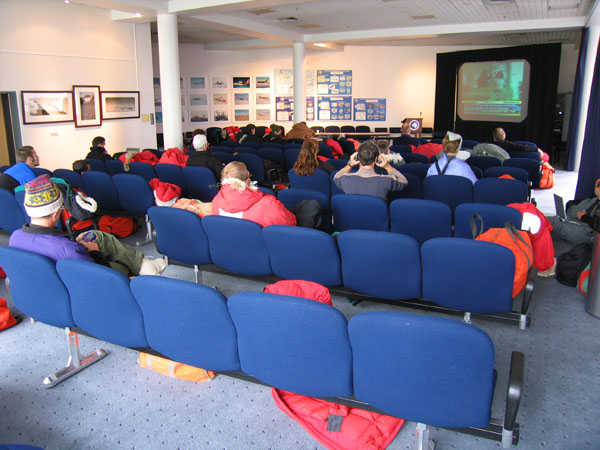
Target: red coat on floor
543,247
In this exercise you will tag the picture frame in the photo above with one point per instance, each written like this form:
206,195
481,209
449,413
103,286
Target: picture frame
221,115
241,82
86,106
219,82
120,104
220,99
199,115
241,98
47,107
241,115
200,99
198,83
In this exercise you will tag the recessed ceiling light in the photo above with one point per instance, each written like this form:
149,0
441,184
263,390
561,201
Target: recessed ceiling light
259,12
320,44
563,6
424,16
309,25
497,2
137,14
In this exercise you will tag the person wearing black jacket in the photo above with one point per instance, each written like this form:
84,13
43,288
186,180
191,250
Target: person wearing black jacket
97,150
203,158
499,136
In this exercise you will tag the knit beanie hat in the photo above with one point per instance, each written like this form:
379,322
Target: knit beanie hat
42,197
275,128
165,194
199,141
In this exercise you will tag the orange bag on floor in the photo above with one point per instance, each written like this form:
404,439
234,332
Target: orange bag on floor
547,179
6,319
119,226
174,369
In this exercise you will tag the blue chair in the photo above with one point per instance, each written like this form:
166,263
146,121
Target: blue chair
200,183
3,168
222,149
102,302
180,237
144,170
493,216
292,144
415,158
468,143
254,164
338,163
171,173
71,177
254,145
533,144
364,129
114,166
302,345
46,300
325,150
97,165
381,264
499,191
515,172
12,216
528,155
401,148
291,197
230,144
194,329
306,246
224,157
100,187
348,129
359,212
20,200
421,219
532,167
266,190
418,169
291,155
237,245
277,145
332,129
449,189
484,162
334,189
318,129
135,198
272,154
41,171
318,181
477,171
247,149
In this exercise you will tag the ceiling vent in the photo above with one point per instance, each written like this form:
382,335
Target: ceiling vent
497,2
422,17
260,12
560,6
309,25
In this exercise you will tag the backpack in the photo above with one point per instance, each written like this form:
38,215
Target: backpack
174,369
519,243
119,226
584,277
569,265
547,178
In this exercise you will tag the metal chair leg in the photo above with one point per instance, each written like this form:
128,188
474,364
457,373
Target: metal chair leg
422,441
148,233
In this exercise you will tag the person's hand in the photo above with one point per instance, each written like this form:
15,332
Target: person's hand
90,246
381,161
580,214
353,161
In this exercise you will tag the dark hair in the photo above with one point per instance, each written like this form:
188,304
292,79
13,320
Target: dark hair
367,152
383,146
198,131
307,160
24,152
80,166
98,140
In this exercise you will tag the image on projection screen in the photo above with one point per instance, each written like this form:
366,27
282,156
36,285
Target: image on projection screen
493,90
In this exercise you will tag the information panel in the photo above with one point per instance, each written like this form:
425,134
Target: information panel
334,108
369,109
284,108
334,82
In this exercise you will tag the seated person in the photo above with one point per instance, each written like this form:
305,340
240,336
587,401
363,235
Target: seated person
97,150
448,163
239,198
392,157
300,131
366,181
22,171
499,137
80,166
578,229
203,158
276,134
44,204
308,161
405,137
248,134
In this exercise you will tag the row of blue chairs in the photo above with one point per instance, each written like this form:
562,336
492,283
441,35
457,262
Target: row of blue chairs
380,265
445,379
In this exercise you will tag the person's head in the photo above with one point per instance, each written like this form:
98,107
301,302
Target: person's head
452,143
98,141
499,134
43,201
250,128
383,146
80,166
198,131
597,188
236,175
223,134
28,155
405,126
367,153
200,143
307,160
275,129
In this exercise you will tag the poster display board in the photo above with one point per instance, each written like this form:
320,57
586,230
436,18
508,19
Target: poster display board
310,109
369,109
284,109
334,82
334,108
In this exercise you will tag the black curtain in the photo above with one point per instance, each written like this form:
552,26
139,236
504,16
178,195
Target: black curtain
537,127
589,168
576,101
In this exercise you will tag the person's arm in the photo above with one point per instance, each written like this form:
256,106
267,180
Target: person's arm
398,180
352,162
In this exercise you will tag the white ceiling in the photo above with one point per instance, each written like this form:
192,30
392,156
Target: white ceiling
243,24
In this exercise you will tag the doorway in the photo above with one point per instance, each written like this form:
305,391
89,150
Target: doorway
10,133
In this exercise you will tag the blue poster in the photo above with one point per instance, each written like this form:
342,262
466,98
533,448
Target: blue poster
334,82
284,108
310,109
334,108
369,109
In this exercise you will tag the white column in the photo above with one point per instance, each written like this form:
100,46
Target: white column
170,91
588,75
299,83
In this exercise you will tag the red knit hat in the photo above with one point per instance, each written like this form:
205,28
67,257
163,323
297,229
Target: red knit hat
166,194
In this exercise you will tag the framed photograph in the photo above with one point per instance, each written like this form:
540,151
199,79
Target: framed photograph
198,115
220,83
241,115
241,99
262,82
198,100
241,82
198,83
263,98
221,115
47,106
220,99
86,106
262,114
120,105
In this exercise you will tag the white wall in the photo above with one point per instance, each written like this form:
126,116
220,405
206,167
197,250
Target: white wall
53,46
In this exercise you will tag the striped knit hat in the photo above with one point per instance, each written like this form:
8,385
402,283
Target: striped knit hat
42,197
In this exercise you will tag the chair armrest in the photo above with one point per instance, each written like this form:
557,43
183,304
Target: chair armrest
528,291
514,390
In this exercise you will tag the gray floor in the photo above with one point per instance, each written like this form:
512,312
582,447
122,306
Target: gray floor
116,404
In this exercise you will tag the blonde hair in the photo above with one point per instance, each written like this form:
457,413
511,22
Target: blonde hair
451,146
235,175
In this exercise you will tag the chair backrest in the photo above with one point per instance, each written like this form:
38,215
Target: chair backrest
359,212
500,191
200,183
294,250
318,181
268,144
102,302
254,145
468,275
180,235
3,168
317,128
325,150
332,129
528,155
135,194
12,216
224,157
493,216
418,169
247,149
222,148
254,165
96,165
171,173
114,166
36,288
302,345
273,154
291,197
41,171
338,163
414,188
291,155
531,166
421,219
100,187
365,129
194,327
516,172
237,245
533,144
381,264
20,200
230,144
469,143
449,189
395,130
401,148
426,369
71,177
415,158
145,170
348,129
483,162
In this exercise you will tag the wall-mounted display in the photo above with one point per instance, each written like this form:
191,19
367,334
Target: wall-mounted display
262,82
197,83
220,99
220,83
334,108
120,105
369,109
262,114
86,106
198,115
310,108
263,98
221,115
311,82
47,106
284,109
241,98
241,115
199,99
284,81
183,100
241,82
334,82
156,85
158,115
